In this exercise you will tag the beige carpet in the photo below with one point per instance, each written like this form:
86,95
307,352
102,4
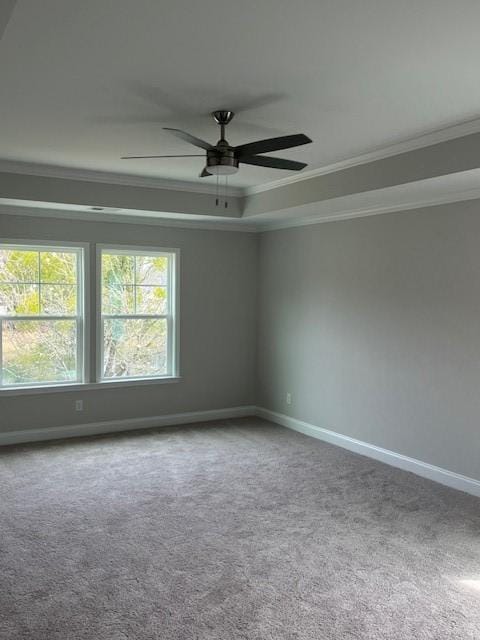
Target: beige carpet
228,531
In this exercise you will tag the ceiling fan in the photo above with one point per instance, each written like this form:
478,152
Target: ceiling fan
223,159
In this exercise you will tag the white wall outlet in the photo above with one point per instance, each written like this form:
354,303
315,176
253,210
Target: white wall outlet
289,398
78,405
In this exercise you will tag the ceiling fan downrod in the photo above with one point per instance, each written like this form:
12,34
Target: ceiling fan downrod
223,118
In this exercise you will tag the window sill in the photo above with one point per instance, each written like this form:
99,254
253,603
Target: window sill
87,386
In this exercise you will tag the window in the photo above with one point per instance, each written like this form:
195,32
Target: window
44,322
41,315
137,298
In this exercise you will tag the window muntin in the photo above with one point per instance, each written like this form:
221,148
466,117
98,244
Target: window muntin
41,315
137,320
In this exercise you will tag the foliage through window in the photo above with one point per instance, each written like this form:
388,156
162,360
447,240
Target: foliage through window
137,314
41,315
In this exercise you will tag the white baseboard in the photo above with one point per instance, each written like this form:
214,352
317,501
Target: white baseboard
129,424
424,469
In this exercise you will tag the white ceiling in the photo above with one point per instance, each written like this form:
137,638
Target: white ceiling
86,82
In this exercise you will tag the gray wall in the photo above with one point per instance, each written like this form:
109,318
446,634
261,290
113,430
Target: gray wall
373,326
217,325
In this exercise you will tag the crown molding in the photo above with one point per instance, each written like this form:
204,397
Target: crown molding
411,144
235,225
458,196
115,216
89,175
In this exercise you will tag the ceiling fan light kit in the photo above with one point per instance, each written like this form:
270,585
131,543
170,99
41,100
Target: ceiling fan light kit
223,160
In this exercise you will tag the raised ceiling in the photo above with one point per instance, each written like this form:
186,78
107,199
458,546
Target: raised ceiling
86,82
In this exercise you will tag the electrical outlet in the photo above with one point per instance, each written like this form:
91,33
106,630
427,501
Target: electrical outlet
78,405
289,398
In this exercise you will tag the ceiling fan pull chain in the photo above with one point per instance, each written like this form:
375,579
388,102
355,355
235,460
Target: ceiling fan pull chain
226,192
216,193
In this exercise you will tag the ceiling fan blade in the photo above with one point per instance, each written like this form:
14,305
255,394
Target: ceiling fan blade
273,163
205,173
197,142
197,155
271,144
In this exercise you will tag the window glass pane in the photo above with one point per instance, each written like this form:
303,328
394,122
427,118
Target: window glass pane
117,269
58,299
18,266
118,299
134,347
19,299
36,351
151,269
58,267
151,300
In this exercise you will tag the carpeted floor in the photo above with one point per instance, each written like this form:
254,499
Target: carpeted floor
227,531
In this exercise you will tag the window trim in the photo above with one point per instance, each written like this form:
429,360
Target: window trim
82,317
74,387
173,319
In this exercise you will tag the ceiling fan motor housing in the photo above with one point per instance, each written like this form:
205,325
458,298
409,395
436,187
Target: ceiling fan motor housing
221,161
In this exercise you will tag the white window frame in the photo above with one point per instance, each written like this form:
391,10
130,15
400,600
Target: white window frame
81,317
172,315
